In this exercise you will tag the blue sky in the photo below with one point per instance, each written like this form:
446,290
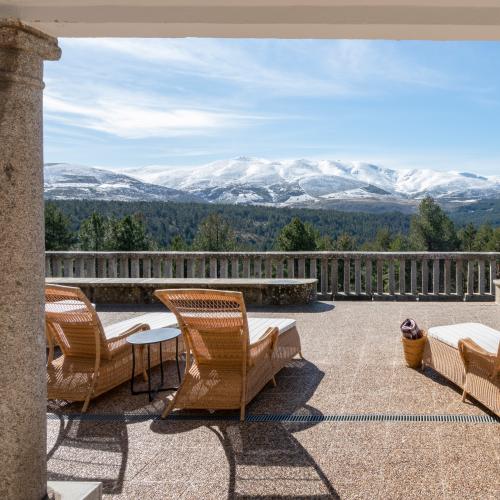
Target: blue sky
131,102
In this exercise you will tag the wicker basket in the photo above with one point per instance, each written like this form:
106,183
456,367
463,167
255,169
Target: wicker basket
414,350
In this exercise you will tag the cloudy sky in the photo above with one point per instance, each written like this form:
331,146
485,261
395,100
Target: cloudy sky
132,102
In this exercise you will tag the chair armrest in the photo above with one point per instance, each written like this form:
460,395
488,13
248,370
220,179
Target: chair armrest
470,352
263,347
119,340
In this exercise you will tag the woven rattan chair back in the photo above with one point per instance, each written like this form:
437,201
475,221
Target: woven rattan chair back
213,322
71,318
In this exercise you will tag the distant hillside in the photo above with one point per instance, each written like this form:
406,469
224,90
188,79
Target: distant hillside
256,226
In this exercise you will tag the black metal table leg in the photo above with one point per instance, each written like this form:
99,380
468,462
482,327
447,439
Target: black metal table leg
177,358
149,374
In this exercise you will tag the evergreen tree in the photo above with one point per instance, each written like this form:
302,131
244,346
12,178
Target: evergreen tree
431,229
94,233
178,244
345,243
297,236
214,235
467,237
129,234
58,235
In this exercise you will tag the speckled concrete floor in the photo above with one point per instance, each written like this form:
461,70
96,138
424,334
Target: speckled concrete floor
353,365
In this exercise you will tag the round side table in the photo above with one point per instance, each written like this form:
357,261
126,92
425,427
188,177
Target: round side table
148,338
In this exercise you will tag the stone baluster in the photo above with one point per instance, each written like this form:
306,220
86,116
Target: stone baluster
101,267
246,267
223,267
493,276
402,276
56,267
179,267
290,268
481,277
112,273
257,267
357,276
124,266
347,276
334,272
470,278
380,277
48,269
447,276
167,268
268,267
134,268
413,278
324,276
235,267
368,277
190,267
425,277
302,268
313,270
68,267
392,277
435,276
203,268
279,269
80,267
156,267
459,278
213,267
91,267
146,267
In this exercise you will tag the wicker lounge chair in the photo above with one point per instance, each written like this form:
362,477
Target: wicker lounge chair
94,359
468,355
231,361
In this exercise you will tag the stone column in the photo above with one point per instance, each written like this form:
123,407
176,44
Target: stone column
22,350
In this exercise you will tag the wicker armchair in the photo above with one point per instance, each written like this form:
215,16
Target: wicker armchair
90,364
227,371
456,353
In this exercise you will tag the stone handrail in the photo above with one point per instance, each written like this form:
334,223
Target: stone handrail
348,275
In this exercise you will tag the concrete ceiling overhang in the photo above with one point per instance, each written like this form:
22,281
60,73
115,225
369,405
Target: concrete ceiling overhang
385,19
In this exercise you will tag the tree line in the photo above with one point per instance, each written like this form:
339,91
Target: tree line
430,229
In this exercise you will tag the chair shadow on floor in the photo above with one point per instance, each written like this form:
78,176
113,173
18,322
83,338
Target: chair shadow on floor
268,448
103,449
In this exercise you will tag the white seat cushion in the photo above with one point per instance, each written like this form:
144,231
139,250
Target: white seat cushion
154,320
257,326
482,335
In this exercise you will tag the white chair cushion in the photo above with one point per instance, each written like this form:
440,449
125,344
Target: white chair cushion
482,335
257,326
154,320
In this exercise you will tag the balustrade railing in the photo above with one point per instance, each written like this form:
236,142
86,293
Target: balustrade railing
348,275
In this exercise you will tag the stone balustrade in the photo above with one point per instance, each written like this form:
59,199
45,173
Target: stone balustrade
341,275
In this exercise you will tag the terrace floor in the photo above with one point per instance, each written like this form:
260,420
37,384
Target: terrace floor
353,365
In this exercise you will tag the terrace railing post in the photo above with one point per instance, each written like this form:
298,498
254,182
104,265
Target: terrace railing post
268,267
470,278
112,267
302,267
80,267
357,276
368,277
146,267
290,268
213,267
257,267
481,277
235,267
347,276
156,267
246,267
380,276
435,277
124,266
68,267
179,267
447,276
334,271
402,277
493,276
324,276
459,278
392,278
167,268
134,267
413,278
223,267
425,277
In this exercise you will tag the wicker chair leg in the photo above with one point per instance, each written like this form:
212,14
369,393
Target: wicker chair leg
242,413
273,380
170,406
86,403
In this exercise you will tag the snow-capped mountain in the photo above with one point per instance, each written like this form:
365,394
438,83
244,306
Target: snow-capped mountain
318,183
67,181
299,183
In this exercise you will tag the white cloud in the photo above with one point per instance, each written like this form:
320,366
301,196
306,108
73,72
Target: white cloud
138,118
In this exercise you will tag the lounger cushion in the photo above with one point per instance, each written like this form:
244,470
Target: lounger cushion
257,326
154,320
482,335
